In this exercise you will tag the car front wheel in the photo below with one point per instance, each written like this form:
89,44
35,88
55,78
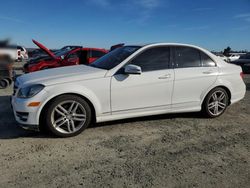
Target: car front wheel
68,116
216,103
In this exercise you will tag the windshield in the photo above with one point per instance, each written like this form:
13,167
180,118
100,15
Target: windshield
115,57
62,52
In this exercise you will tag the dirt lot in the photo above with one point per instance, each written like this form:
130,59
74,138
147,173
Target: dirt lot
180,150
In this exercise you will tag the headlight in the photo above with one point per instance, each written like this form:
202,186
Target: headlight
30,91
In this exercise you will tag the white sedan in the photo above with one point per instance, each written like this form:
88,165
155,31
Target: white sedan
131,81
233,57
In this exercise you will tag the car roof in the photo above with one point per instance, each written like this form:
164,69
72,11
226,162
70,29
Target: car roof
99,49
162,43
211,55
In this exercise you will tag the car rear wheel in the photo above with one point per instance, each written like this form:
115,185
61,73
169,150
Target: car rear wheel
68,116
9,80
216,103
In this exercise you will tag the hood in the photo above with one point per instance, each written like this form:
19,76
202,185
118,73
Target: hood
61,75
46,50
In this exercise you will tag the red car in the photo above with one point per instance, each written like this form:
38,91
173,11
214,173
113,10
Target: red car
64,57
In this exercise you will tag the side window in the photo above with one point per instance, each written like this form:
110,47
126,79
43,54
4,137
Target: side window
207,61
97,54
153,59
73,55
186,57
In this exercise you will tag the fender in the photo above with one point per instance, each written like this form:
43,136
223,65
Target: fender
218,83
55,91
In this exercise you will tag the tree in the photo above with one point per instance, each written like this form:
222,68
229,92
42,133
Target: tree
227,51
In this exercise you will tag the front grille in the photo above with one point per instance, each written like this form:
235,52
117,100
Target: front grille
23,116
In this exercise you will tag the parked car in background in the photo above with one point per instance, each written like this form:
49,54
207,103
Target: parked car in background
233,57
130,81
64,57
116,46
34,53
244,62
224,58
10,52
23,53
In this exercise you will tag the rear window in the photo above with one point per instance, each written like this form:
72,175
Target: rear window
206,61
97,53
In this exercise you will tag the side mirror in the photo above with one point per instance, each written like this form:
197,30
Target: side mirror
132,69
62,57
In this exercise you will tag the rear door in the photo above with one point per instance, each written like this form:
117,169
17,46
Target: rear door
195,72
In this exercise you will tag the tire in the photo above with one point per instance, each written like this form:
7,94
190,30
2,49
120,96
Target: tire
3,84
215,103
9,81
67,116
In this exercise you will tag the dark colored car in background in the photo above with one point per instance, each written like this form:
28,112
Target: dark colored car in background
244,62
66,56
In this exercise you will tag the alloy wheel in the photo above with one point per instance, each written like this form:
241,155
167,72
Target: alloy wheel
217,103
68,117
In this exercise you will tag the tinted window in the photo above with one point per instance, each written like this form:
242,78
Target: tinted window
73,55
187,57
97,54
62,53
115,57
153,59
207,61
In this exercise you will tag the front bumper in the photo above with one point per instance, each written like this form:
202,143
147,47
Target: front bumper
30,127
28,117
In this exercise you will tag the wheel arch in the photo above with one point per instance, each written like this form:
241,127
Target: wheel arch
219,86
43,109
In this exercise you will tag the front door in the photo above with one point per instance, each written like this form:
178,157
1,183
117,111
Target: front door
150,90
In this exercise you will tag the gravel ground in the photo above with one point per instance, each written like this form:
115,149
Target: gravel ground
178,150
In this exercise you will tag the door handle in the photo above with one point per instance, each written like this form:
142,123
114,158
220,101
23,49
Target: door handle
165,76
208,72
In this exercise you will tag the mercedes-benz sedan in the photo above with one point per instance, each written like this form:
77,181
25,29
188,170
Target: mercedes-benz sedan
131,81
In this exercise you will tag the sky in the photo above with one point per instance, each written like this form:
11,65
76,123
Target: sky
212,24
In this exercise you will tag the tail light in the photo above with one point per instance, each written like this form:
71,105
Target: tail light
242,75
